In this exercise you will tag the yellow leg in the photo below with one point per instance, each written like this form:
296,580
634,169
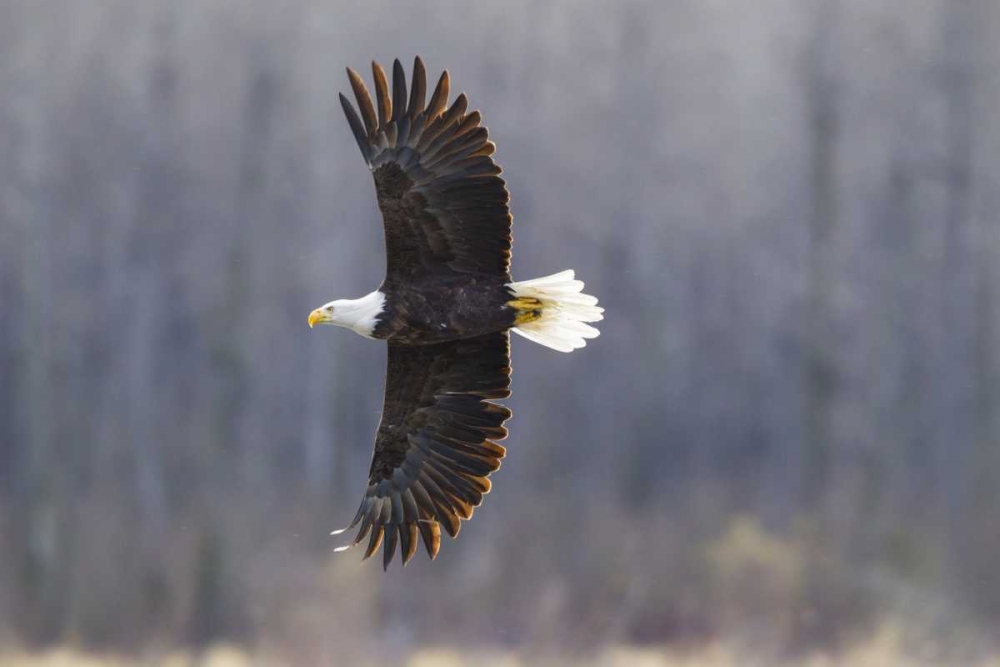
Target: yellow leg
528,310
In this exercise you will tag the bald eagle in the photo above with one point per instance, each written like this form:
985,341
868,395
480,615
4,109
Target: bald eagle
445,309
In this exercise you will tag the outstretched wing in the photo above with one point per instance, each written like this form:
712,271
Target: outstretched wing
436,445
443,202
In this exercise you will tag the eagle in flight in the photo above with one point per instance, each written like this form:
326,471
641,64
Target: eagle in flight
445,308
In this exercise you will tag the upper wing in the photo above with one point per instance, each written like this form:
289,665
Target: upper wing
435,446
443,202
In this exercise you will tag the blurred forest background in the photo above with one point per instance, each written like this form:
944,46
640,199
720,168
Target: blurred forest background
788,433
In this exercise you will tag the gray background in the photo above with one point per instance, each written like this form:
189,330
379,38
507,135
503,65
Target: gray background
788,429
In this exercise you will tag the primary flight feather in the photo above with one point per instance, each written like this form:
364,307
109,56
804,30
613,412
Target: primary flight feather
445,308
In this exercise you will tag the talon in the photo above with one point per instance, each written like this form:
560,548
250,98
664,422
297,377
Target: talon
528,310
525,303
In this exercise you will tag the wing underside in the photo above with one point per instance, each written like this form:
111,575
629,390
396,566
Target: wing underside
443,203
437,443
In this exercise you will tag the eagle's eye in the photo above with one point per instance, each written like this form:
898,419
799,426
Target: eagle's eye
329,309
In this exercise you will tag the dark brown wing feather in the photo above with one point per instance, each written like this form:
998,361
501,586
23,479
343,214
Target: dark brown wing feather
436,445
443,202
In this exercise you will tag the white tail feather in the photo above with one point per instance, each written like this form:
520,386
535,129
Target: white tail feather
564,310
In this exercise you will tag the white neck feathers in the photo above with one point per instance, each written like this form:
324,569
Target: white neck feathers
360,315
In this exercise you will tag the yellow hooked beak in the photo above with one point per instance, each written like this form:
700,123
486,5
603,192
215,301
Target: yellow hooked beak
318,316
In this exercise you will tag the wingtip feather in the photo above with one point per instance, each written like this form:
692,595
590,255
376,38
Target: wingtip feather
364,99
382,94
398,91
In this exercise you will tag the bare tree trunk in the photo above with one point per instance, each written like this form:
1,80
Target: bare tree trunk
956,281
819,372
977,512
36,497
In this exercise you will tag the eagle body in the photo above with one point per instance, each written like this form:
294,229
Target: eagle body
445,310
435,309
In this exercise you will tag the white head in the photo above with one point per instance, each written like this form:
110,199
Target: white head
360,315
